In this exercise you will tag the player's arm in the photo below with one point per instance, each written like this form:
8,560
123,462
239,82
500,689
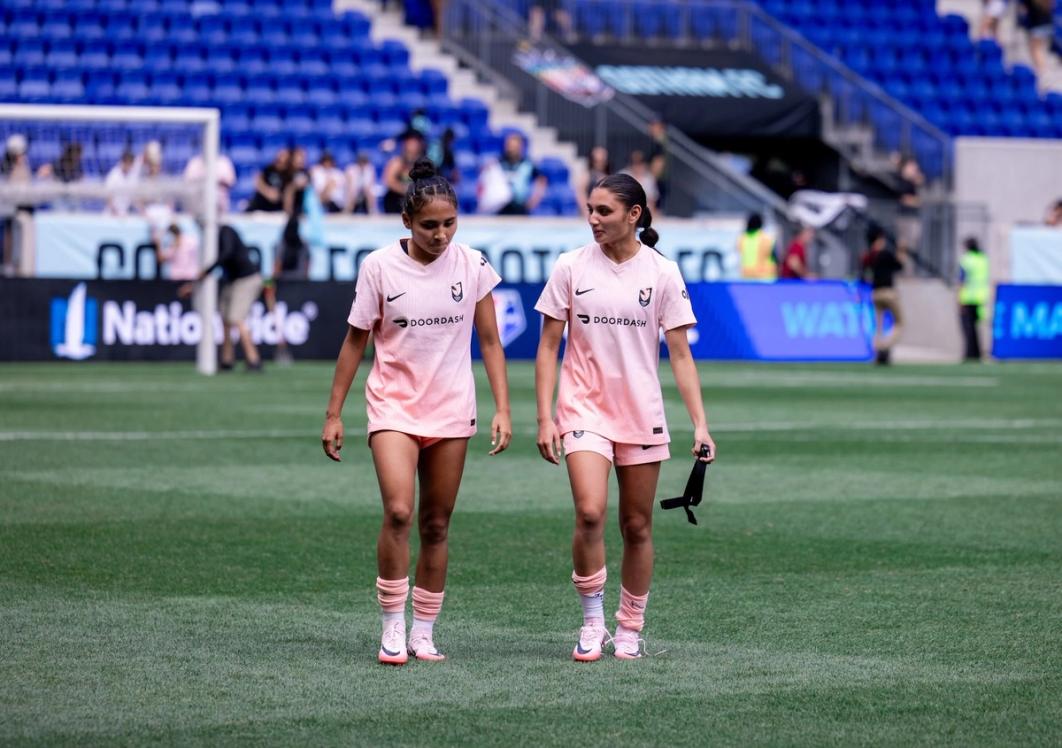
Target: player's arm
545,384
490,346
350,354
689,386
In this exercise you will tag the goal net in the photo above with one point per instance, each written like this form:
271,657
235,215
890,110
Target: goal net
157,163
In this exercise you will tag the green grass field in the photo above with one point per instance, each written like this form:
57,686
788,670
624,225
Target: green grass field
880,563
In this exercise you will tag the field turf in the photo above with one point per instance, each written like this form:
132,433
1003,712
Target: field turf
879,563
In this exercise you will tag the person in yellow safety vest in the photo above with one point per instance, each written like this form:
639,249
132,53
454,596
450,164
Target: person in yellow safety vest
756,248
973,295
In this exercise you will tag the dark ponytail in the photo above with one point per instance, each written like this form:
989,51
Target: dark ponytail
426,185
629,192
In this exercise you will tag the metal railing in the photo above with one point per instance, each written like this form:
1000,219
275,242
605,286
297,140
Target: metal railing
484,36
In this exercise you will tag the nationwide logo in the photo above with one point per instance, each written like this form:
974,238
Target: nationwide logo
79,324
74,325
509,309
455,319
456,292
645,295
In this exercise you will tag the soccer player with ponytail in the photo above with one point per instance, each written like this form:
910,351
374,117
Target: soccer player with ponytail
419,298
615,295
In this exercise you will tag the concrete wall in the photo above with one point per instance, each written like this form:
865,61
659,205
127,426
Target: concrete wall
1016,179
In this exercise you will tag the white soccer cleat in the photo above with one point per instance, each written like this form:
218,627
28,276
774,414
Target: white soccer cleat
591,638
422,647
627,645
393,644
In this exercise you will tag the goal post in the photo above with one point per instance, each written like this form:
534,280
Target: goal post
101,132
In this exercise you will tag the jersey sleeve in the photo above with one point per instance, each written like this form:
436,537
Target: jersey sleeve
487,276
676,310
556,296
365,309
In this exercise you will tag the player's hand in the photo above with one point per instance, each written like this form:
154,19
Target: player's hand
549,442
701,436
332,437
501,433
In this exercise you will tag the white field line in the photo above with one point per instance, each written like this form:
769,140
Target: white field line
876,427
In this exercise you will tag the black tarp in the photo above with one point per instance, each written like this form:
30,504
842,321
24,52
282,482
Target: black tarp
707,93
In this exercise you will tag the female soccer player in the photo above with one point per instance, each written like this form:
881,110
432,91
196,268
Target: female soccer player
419,298
615,294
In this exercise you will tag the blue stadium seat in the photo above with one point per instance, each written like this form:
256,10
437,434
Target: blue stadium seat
62,53
68,87
304,33
244,31
29,52
213,29
128,56
220,59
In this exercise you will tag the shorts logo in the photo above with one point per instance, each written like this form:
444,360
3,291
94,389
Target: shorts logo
645,295
584,318
456,292
658,429
578,434
685,294
482,259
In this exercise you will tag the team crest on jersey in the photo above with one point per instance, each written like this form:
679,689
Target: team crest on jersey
456,292
645,295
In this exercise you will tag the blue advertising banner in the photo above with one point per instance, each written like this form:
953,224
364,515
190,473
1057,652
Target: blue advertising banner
1027,322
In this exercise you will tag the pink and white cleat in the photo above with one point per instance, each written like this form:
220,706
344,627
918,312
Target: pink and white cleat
627,645
591,637
392,644
423,648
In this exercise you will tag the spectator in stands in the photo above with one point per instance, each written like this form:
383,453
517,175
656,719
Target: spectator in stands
241,285
67,168
16,166
361,186
539,13
396,171
598,167
880,266
756,250
179,252
269,184
639,168
291,261
1054,215
296,181
329,183
527,183
658,162
909,221
444,158
795,263
120,183
991,15
195,172
1037,18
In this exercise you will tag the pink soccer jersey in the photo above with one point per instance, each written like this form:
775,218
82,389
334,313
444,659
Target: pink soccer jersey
609,383
421,320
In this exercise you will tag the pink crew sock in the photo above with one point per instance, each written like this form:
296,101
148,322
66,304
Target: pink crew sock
592,595
392,594
426,607
631,613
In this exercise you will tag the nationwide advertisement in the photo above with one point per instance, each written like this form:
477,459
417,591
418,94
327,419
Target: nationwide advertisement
76,320
1027,322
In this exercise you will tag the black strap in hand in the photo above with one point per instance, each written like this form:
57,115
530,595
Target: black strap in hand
694,488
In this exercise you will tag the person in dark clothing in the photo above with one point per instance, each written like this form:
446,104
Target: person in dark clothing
291,261
880,266
241,285
270,183
1037,18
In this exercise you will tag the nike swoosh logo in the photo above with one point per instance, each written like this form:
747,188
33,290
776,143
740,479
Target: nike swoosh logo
392,298
388,652
581,291
580,650
647,446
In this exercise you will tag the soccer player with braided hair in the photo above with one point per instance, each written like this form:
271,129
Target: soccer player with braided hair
615,295
420,298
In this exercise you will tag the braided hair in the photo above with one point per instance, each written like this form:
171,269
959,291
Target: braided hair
426,185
